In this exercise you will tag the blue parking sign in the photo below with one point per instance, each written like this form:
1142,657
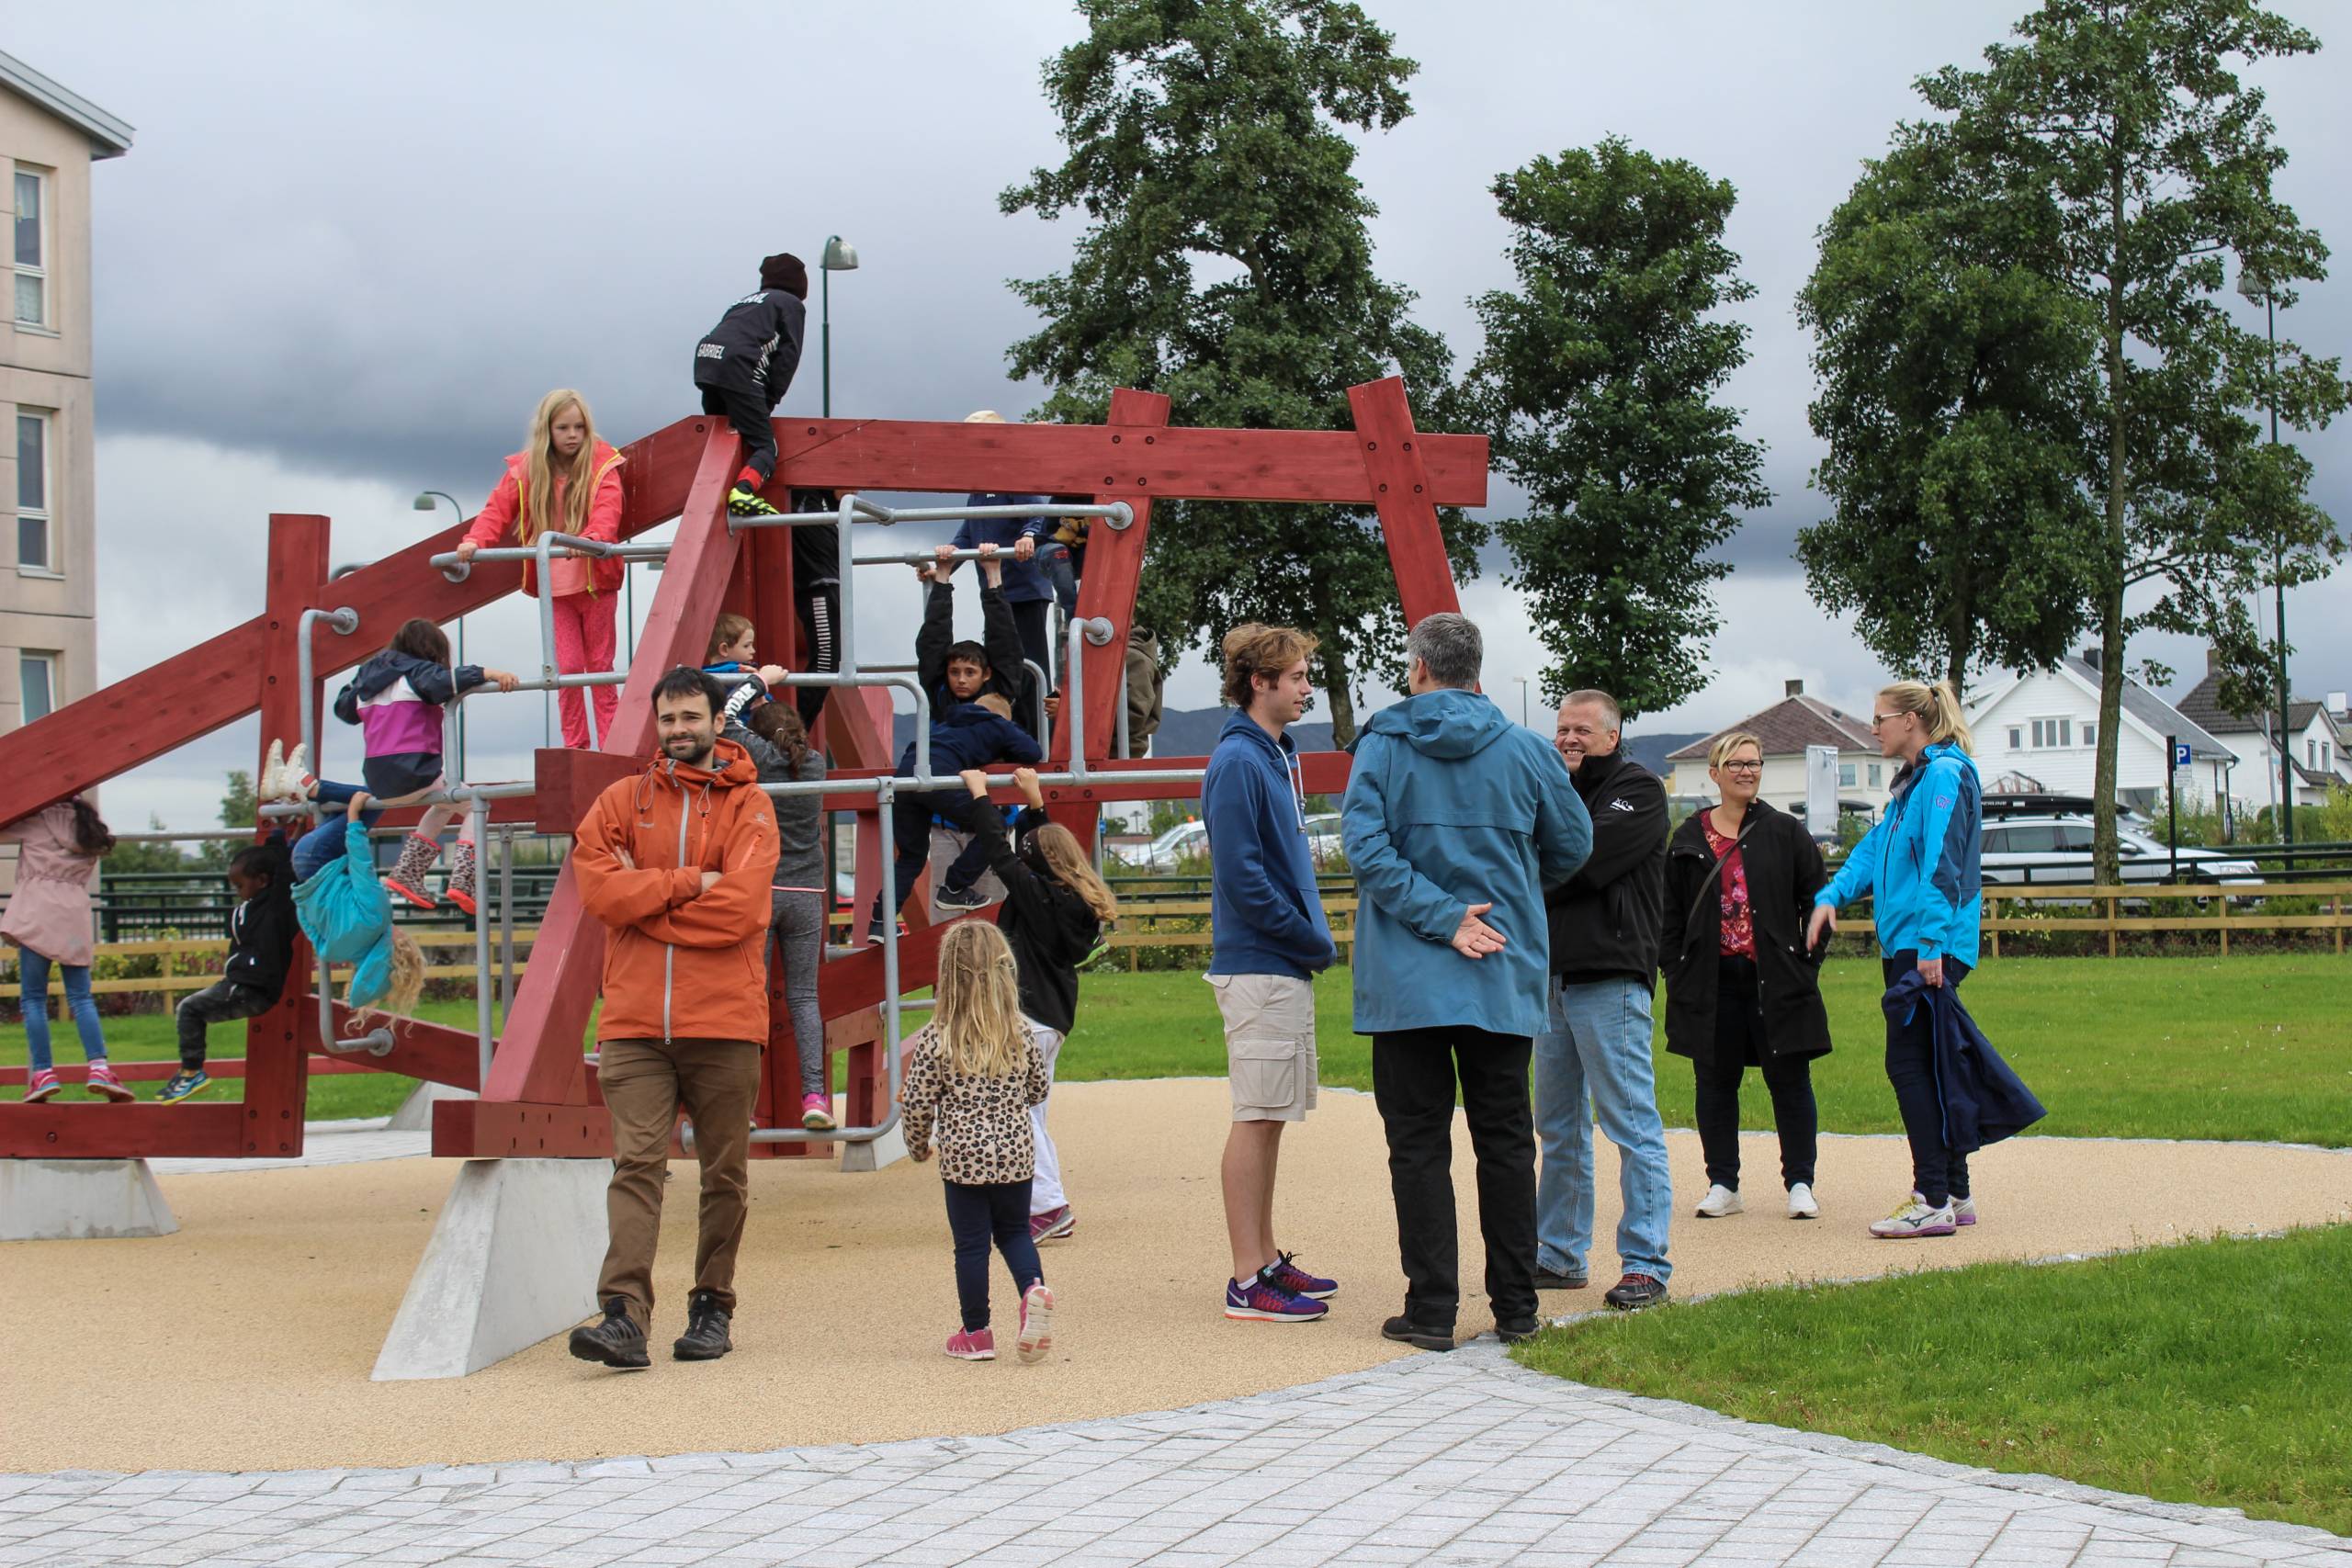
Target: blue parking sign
2180,755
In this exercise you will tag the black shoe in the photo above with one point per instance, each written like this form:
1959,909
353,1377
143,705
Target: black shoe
1635,1292
1421,1337
957,901
706,1336
1511,1331
1553,1280
614,1340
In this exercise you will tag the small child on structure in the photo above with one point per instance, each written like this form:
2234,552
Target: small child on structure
973,1074
397,699
779,748
744,365
347,915
732,659
261,947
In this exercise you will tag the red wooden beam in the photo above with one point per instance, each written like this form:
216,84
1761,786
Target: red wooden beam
1398,463
219,1067
51,1130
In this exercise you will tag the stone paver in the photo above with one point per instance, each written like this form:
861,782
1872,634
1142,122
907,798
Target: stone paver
1464,1459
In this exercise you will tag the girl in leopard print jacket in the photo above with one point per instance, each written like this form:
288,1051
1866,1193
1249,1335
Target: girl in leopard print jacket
971,1077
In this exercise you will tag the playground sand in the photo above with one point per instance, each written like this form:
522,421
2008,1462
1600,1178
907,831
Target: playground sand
244,1341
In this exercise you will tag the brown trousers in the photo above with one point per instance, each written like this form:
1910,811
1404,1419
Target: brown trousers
645,1082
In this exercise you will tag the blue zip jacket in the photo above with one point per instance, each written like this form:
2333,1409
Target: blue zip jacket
1265,916
1451,805
348,917
1024,580
1919,865
1983,1099
968,736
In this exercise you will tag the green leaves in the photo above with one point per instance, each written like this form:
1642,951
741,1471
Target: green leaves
1598,379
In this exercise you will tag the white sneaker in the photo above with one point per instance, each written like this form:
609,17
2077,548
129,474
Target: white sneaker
1964,1211
273,773
295,782
1801,1203
1719,1202
1915,1218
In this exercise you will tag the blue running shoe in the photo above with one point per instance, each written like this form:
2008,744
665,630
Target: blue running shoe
179,1086
1298,1282
1262,1301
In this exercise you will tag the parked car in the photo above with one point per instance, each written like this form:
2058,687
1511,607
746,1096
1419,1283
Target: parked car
1189,841
2057,849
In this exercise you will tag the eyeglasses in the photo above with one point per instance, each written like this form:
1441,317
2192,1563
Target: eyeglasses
1878,718
1743,767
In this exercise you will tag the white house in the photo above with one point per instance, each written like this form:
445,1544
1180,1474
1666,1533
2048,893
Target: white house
2039,729
1786,728
2317,734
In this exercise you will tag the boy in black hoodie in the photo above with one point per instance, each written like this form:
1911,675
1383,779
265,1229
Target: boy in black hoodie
970,735
953,672
261,947
744,365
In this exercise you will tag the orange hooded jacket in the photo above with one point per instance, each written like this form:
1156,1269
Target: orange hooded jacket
682,961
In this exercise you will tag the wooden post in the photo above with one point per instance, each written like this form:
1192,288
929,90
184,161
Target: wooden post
2222,912
2110,926
2335,908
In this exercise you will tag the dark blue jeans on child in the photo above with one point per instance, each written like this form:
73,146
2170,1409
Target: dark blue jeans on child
977,1214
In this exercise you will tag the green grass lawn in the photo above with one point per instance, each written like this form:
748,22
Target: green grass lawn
2216,1372
2252,1046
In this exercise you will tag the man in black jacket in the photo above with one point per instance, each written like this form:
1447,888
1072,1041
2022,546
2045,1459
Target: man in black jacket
1604,931
743,366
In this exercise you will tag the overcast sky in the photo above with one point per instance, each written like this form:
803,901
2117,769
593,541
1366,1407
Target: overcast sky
353,246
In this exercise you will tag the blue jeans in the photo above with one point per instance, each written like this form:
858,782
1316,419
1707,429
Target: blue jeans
1599,1048
34,969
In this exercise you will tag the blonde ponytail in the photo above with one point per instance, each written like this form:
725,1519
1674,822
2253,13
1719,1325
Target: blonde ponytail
1939,709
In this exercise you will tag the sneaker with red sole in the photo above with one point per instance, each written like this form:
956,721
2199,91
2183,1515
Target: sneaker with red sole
1259,1300
972,1344
1037,1324
104,1085
43,1085
1054,1224
1298,1282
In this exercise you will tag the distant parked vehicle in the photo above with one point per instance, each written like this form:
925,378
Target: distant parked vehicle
2057,850
1186,840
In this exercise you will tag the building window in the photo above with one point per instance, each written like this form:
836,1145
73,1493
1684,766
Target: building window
31,251
1845,775
2016,739
2052,732
2090,734
34,512
1875,768
38,674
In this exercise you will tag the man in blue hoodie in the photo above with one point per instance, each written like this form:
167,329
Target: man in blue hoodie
1269,940
1457,822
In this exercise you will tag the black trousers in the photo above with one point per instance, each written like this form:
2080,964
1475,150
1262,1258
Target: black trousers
217,1003
1740,1038
747,411
1413,1077
911,817
818,606
976,1214
1936,1174
1034,619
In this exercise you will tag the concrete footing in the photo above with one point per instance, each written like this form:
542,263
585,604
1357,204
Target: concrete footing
513,1260
74,1199
888,1149
415,1114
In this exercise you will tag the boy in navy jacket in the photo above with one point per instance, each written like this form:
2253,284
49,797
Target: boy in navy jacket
970,734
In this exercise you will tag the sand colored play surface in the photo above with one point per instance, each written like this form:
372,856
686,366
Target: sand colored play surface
244,1342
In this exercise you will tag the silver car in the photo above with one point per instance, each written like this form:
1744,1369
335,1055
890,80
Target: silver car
2057,850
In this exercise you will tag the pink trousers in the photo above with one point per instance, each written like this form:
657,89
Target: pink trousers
583,645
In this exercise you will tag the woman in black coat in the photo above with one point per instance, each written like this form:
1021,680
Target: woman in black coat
1741,987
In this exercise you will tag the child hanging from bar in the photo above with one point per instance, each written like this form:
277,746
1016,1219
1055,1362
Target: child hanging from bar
346,913
951,671
778,743
397,700
972,1074
261,947
743,366
970,734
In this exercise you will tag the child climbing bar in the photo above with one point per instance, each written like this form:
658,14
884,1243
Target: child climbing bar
397,699
347,915
744,365
568,481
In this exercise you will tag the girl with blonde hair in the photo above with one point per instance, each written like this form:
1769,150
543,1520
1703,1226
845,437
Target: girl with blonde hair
1919,865
972,1075
565,481
1056,908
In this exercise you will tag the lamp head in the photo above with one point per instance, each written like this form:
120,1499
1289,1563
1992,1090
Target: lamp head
840,256
424,502
2252,285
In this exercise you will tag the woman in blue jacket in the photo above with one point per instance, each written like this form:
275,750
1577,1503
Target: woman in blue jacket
1919,867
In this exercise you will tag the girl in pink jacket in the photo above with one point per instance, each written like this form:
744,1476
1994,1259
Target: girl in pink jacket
49,920
567,481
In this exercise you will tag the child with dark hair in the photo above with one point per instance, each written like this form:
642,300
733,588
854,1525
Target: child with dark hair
397,699
953,672
743,366
970,735
59,848
261,947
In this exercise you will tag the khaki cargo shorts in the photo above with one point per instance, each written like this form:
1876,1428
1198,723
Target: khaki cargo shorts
1269,1045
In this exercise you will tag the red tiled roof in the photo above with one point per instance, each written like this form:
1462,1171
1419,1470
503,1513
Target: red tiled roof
1788,727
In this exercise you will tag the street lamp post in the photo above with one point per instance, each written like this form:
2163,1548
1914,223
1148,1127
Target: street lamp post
1522,700
424,502
2255,287
840,256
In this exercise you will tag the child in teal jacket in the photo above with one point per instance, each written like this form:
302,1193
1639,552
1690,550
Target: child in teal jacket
347,915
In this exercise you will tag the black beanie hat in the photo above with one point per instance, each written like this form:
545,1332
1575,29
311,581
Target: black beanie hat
785,271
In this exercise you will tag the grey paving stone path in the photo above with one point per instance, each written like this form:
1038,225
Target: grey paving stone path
1457,1459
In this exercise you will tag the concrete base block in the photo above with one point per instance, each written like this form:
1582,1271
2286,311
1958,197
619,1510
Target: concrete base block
77,1200
888,1149
513,1260
415,1114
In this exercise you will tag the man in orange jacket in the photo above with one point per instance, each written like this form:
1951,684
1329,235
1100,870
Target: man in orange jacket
677,863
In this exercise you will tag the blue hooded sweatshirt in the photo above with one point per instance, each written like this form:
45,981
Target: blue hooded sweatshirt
1451,804
1919,865
968,736
348,917
1265,917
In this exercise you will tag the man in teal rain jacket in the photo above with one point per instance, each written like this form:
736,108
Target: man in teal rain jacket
1456,821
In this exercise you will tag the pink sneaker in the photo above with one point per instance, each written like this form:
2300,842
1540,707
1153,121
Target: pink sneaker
42,1085
104,1085
972,1344
1037,1324
817,1113
1053,1224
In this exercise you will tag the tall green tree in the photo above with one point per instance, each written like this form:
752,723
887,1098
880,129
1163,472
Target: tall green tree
1226,263
1598,378
2125,123
240,807
1954,371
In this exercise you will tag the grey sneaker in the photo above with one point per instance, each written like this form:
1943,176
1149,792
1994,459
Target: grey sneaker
706,1339
1635,1292
1553,1280
614,1339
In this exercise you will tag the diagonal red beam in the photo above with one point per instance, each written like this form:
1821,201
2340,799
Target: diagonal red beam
1398,467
